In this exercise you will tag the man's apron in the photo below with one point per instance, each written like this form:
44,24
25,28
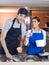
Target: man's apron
32,48
11,39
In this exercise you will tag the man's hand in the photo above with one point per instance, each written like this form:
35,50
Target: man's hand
19,49
9,56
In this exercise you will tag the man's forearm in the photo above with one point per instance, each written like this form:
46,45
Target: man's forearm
22,41
3,43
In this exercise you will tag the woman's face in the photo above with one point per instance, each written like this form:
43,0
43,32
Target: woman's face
21,17
35,23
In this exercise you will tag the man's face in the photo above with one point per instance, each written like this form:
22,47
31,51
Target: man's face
35,23
21,17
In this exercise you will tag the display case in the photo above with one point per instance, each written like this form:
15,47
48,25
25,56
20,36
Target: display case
47,39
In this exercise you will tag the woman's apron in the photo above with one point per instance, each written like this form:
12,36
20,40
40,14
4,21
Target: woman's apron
32,48
11,39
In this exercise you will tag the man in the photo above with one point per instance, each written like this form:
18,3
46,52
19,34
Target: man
11,31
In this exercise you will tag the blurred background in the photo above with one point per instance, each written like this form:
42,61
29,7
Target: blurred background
40,8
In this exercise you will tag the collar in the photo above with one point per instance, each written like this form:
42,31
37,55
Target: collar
36,32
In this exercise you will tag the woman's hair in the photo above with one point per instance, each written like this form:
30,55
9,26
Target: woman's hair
37,18
23,11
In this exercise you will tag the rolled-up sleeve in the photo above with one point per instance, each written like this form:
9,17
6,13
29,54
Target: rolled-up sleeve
44,36
23,29
7,25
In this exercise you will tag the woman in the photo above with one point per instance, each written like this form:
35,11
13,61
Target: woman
34,34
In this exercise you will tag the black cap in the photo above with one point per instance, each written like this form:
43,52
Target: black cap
23,11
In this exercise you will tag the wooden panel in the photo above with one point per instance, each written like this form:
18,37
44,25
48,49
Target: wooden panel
5,16
42,17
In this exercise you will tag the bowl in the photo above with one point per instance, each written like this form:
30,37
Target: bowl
40,43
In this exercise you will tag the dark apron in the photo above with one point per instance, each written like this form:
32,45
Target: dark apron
11,39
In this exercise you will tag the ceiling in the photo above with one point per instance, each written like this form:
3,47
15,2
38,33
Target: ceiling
29,3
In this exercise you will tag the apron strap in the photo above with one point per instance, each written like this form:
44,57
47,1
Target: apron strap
13,21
